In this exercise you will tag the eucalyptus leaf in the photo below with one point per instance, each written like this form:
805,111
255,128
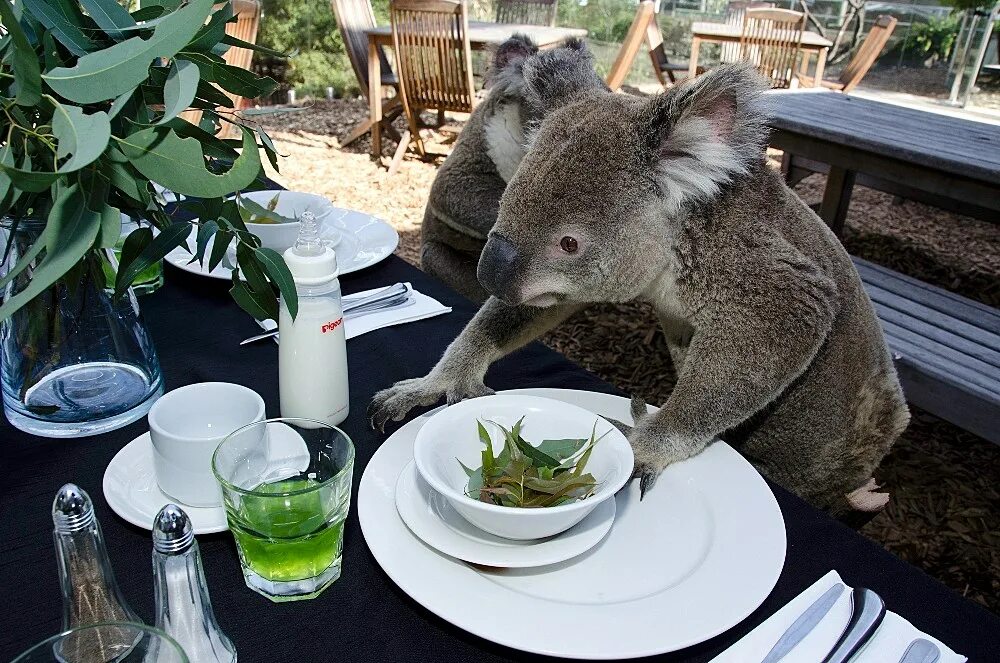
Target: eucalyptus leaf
248,300
108,73
232,79
180,89
119,104
562,449
69,233
223,238
277,271
27,72
179,164
83,136
206,230
239,43
132,248
65,26
109,16
170,238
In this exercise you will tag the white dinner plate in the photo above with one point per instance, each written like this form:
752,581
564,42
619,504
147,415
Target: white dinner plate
365,240
694,558
432,518
131,491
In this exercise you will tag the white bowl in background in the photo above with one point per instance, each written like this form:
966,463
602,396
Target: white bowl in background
451,436
291,204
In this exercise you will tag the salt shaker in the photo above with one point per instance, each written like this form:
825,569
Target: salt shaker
90,592
183,607
312,348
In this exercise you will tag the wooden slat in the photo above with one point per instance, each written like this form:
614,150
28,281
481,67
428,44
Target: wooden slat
485,34
916,349
527,12
771,41
937,326
956,306
932,140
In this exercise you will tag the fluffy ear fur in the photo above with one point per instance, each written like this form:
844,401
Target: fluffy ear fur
704,133
515,50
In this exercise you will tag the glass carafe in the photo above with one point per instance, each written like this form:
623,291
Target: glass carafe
75,361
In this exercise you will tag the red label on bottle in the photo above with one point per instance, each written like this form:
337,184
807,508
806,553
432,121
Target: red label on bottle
330,326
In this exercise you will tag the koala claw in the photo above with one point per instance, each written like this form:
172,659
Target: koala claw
393,403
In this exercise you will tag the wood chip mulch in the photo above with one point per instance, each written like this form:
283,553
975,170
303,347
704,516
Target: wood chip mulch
944,516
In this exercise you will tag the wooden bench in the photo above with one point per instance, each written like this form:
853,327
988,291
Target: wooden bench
946,348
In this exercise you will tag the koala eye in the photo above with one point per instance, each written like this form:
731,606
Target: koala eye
568,244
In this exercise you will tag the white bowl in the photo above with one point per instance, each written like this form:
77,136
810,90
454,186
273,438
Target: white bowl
281,236
451,436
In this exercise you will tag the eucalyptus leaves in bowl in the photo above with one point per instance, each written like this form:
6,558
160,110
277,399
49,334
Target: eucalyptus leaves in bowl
91,103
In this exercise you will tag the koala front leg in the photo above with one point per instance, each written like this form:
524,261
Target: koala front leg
735,365
496,330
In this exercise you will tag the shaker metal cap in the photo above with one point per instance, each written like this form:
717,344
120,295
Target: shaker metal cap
72,509
172,530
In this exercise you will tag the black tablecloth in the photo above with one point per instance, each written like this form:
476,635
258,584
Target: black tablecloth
364,616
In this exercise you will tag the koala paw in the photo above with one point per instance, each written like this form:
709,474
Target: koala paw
653,452
393,403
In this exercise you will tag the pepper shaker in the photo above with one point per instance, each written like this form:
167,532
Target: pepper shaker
90,592
183,606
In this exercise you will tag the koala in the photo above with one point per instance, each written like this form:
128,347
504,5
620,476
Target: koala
669,199
465,196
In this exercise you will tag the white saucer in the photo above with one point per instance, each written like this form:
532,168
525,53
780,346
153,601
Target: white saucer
436,523
131,491
691,560
364,241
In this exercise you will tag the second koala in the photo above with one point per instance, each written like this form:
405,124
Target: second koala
777,347
465,196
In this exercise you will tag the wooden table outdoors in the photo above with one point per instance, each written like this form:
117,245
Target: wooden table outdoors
720,33
916,154
482,35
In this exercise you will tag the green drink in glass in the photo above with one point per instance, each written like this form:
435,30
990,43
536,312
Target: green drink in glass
286,484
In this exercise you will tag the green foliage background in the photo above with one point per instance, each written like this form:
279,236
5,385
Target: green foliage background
308,30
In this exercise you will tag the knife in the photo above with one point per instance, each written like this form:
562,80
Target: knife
805,623
867,613
921,651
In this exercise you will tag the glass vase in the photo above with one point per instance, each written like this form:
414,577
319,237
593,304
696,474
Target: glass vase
74,361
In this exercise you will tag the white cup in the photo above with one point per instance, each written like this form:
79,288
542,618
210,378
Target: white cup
186,426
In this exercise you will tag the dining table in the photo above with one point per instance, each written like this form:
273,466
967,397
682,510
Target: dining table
482,35
812,44
364,616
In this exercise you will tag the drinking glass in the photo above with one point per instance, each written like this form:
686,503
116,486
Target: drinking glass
121,642
286,485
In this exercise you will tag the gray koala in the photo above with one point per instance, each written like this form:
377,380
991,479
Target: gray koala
465,196
669,199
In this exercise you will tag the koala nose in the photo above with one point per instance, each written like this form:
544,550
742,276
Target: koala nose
498,265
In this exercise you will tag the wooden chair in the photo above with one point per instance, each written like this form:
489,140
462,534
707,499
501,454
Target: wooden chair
434,62
771,41
353,18
862,61
736,10
643,29
245,27
527,12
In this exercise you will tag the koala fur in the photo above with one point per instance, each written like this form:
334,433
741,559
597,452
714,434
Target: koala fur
465,195
777,347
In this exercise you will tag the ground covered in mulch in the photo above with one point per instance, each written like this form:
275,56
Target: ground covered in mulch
945,513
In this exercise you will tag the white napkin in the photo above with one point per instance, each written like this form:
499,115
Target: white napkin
419,307
890,641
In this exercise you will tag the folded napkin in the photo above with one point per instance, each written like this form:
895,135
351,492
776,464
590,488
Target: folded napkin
890,641
419,307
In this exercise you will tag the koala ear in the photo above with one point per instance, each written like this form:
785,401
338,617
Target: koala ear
706,132
515,49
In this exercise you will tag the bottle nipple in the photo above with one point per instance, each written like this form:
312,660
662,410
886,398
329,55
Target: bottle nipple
309,242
